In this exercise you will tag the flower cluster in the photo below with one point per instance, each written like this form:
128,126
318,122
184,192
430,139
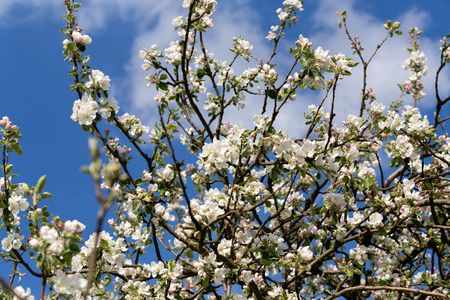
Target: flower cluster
98,80
417,64
84,110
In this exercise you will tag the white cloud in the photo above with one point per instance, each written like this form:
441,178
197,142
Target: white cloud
13,12
97,14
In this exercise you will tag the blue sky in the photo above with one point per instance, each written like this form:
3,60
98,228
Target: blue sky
35,91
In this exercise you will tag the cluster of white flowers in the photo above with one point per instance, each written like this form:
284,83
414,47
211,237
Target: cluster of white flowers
108,106
224,72
304,42
242,46
417,123
342,63
359,254
84,110
98,80
375,220
74,226
12,241
21,294
112,251
294,3
394,122
291,151
173,53
290,5
218,155
305,253
272,33
402,147
417,64
268,75
50,236
322,59
210,103
333,200
81,38
16,203
271,240
164,213
416,61
77,37
202,59
377,108
133,125
71,284
149,56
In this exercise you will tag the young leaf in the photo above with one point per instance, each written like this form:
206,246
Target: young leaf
41,183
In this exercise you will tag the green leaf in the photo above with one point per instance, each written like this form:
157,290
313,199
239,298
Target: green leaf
327,244
304,63
135,206
172,265
107,280
306,242
104,244
16,134
171,126
382,231
17,148
335,218
39,260
74,248
349,273
26,189
156,64
70,46
357,271
353,63
367,182
163,86
272,94
205,282
46,195
200,73
416,223
189,254
41,183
